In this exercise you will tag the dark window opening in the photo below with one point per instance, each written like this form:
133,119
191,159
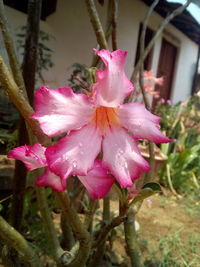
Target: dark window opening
148,37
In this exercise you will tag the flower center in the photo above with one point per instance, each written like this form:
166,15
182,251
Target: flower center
104,117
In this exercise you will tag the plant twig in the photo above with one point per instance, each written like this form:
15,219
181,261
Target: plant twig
14,239
49,227
14,64
108,31
79,257
90,214
172,15
98,255
18,99
148,175
114,23
96,24
108,227
170,182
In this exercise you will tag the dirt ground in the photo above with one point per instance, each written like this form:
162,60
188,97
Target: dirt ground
168,227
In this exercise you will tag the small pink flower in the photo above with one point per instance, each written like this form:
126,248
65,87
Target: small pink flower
150,81
97,181
97,123
169,102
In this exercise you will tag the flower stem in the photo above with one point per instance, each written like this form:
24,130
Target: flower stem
131,239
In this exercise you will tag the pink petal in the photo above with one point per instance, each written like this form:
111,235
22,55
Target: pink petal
122,157
31,155
97,181
75,153
112,84
50,179
61,110
141,123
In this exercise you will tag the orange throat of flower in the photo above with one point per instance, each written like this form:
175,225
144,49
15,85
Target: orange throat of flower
104,118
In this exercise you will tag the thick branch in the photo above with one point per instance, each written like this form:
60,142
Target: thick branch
78,229
17,241
173,14
96,23
31,46
132,247
107,228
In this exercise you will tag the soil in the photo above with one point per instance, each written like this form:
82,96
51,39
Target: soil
164,218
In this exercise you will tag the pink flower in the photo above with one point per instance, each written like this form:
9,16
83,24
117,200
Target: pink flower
97,181
98,123
150,81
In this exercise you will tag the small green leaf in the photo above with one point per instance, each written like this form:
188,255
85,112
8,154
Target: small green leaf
154,186
144,193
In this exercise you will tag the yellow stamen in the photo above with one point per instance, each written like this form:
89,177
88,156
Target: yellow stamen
105,117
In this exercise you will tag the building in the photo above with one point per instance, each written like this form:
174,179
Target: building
174,55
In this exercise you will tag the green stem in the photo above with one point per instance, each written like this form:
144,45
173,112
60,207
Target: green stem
131,239
96,23
98,255
114,23
18,242
78,259
14,64
90,214
53,242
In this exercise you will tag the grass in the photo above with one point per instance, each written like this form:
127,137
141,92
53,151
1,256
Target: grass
175,250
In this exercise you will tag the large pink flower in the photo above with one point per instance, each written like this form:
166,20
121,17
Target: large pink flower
97,181
99,123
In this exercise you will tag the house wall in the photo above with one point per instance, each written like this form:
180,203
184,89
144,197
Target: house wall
74,40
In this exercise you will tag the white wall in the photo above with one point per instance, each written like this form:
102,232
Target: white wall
74,40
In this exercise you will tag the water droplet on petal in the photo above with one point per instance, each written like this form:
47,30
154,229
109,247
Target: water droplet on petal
65,157
81,152
126,165
120,151
80,144
74,164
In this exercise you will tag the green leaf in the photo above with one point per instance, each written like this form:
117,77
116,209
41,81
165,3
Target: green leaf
144,193
154,186
148,190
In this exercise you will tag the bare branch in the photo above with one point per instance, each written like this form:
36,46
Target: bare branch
107,228
79,230
18,99
96,23
114,23
14,64
172,15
